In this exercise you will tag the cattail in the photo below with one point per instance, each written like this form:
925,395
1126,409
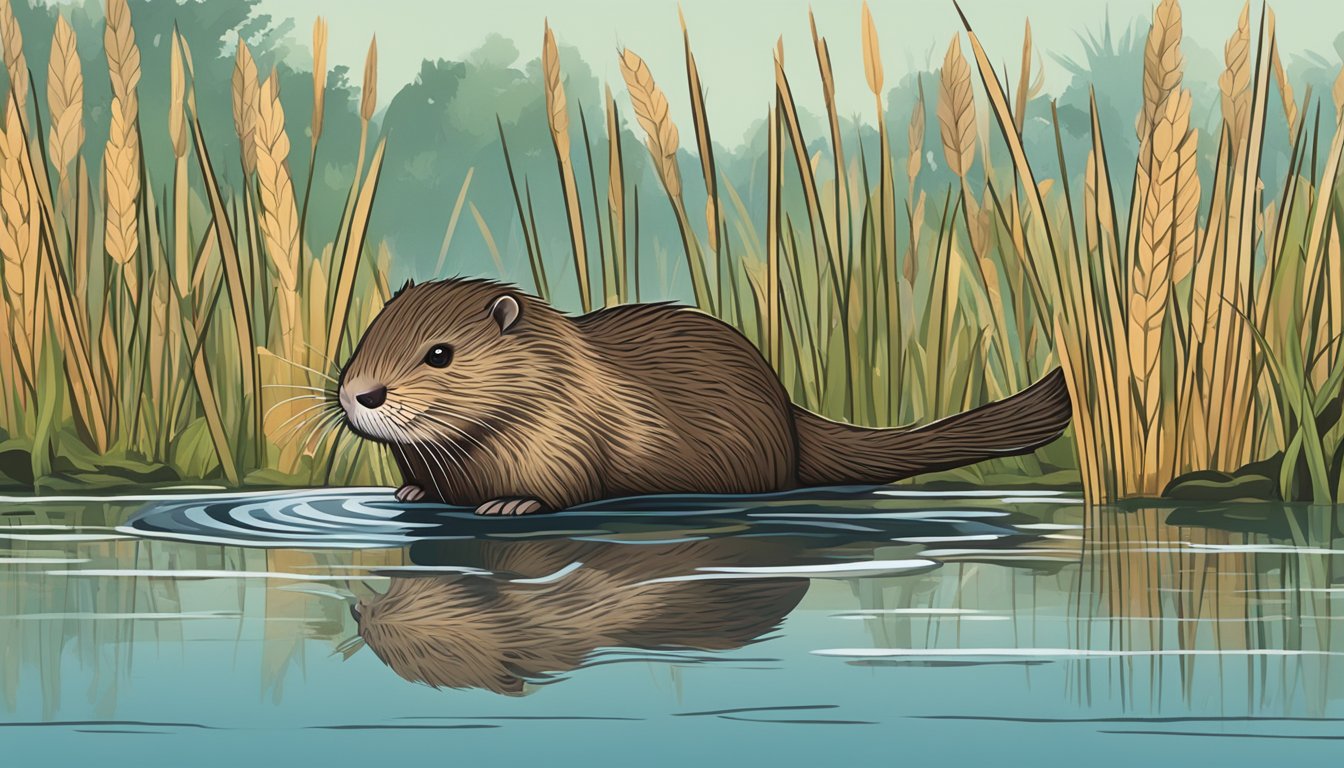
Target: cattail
65,99
279,214
368,96
1163,64
651,111
319,77
557,117
11,40
245,88
1235,83
956,111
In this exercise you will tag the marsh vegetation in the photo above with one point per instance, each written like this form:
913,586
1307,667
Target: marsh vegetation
178,292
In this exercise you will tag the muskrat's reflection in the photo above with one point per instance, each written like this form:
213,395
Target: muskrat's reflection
549,605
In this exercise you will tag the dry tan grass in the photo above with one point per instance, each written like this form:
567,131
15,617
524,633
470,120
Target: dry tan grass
11,42
18,239
1166,236
650,104
1235,82
616,197
121,190
177,136
662,141
1027,88
872,53
121,155
123,57
768,292
279,220
557,118
836,228
65,100
357,228
914,143
702,140
319,78
1281,77
1337,95
956,111
368,94
245,87
1163,64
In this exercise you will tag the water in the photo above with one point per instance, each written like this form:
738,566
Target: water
814,629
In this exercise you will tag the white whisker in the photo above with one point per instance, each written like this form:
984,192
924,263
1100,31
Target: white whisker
309,409
271,410
301,366
330,392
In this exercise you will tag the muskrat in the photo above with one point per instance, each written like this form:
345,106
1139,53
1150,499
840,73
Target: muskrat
545,607
490,398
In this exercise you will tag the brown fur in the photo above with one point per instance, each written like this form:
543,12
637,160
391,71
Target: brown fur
638,399
498,634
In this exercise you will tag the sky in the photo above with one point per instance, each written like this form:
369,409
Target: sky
733,40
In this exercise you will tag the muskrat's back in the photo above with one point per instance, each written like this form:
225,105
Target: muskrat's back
702,408
491,398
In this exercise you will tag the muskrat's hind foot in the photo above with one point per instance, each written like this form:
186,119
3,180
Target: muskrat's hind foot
410,493
510,507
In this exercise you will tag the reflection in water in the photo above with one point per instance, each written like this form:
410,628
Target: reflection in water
1145,611
547,606
1244,613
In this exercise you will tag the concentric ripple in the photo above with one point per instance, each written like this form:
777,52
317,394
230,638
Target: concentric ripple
345,517
371,517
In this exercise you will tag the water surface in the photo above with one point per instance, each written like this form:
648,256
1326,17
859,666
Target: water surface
338,627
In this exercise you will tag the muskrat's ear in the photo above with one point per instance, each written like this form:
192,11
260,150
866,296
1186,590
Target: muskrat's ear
505,311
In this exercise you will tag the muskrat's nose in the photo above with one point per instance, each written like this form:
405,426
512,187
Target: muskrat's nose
373,398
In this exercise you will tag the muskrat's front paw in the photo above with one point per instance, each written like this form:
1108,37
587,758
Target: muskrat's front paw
510,507
410,493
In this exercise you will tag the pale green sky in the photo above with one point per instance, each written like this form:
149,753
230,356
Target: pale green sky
733,39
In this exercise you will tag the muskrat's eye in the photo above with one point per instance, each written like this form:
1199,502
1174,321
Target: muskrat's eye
439,356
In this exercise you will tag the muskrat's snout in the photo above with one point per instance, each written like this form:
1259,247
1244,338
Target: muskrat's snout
368,396
360,398
373,398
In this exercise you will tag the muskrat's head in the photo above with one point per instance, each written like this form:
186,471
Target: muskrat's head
446,632
444,360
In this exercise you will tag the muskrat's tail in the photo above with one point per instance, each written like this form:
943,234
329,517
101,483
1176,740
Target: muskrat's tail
831,453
